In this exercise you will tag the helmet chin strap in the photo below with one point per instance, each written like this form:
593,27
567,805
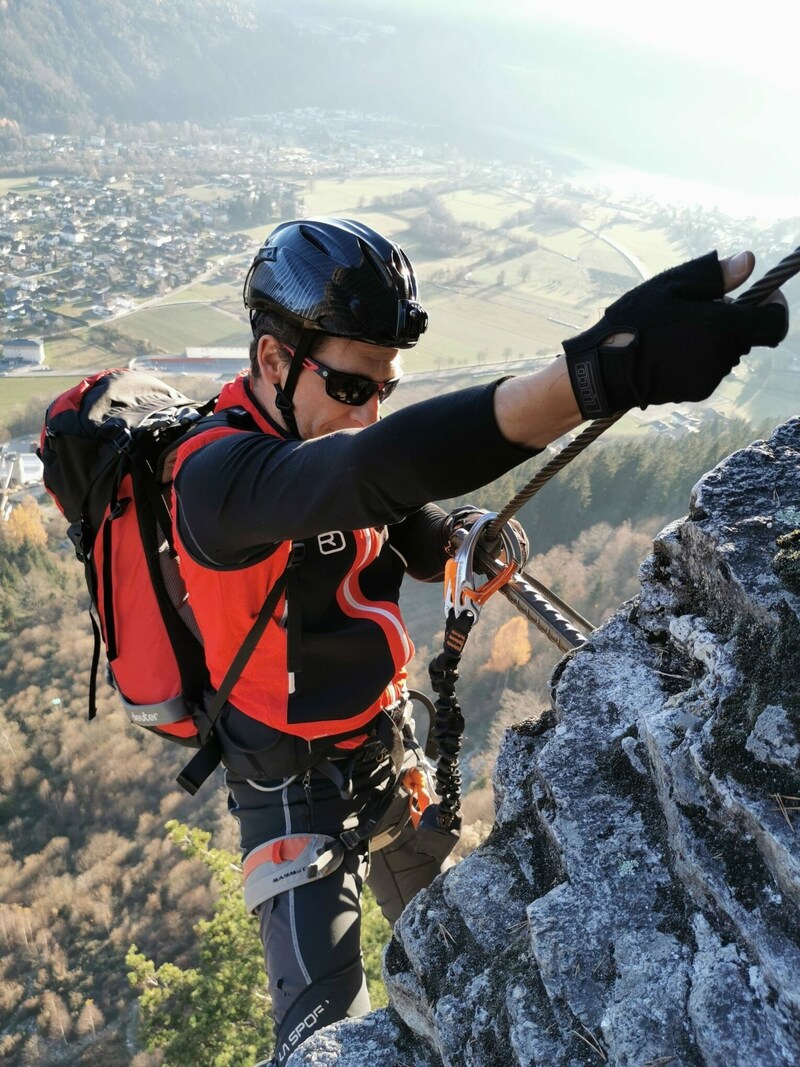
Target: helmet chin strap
283,396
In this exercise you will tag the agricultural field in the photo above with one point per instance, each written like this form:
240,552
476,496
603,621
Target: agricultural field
23,186
209,292
172,327
509,295
647,243
207,194
354,195
86,350
17,392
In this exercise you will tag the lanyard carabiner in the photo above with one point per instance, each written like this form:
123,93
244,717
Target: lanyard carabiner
461,593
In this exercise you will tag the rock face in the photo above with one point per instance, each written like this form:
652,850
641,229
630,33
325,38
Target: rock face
638,901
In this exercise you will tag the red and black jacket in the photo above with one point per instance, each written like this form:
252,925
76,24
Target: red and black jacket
356,499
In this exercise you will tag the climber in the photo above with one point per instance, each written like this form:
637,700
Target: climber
307,485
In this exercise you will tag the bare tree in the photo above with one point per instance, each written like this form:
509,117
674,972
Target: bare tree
54,1017
90,1019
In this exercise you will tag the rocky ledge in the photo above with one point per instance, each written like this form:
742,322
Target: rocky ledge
638,900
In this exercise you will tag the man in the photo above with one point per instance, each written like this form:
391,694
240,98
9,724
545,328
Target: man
306,492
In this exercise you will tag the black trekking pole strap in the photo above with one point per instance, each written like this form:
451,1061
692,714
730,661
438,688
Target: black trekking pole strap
95,665
208,757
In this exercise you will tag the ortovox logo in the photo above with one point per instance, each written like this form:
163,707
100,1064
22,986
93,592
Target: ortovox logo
331,542
144,716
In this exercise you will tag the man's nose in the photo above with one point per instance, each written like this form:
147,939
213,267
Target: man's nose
367,413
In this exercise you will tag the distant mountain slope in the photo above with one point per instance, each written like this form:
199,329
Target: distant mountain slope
63,65
67,67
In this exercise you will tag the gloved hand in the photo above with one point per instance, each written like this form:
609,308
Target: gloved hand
685,340
464,517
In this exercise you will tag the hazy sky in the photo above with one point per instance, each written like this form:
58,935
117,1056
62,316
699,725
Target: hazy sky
684,90
757,39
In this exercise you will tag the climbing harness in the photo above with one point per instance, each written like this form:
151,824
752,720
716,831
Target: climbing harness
476,553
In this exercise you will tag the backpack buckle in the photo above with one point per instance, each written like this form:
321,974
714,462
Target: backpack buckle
119,508
118,434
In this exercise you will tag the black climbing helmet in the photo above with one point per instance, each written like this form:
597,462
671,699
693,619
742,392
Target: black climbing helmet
340,277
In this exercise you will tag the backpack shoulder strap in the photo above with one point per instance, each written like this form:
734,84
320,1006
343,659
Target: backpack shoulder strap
204,762
235,418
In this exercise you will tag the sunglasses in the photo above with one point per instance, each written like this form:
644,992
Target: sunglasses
352,389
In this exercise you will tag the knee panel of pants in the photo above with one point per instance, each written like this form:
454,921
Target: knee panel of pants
342,995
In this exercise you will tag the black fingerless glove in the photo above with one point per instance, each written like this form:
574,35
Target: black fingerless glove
459,519
686,339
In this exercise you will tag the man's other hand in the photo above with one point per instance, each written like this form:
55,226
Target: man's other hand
671,339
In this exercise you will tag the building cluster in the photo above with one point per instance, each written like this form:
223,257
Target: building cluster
84,247
108,224
112,223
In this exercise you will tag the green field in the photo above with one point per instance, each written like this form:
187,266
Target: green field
206,193
18,185
17,392
490,304
176,326
210,292
352,196
83,350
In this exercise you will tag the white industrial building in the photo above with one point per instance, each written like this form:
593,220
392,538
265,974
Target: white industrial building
24,350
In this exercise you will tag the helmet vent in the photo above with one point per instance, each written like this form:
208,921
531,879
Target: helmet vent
377,264
403,268
313,238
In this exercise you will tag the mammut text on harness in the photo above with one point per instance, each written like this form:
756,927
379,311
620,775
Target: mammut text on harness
491,549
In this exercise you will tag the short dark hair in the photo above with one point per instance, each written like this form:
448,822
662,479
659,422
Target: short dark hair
267,323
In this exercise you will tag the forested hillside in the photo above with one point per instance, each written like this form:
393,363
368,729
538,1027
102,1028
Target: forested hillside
647,477
88,65
87,867
63,66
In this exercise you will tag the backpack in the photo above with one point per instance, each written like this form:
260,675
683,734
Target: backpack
101,448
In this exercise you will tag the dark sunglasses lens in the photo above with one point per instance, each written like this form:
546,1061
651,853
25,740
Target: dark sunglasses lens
349,388
354,390
386,390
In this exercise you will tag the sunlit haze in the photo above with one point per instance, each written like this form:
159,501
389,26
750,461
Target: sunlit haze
690,100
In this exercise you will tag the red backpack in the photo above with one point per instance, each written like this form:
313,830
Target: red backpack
101,447
104,446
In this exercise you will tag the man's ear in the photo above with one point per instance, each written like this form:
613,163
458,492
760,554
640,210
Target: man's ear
270,358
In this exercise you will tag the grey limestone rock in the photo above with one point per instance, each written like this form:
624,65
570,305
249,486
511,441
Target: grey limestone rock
638,900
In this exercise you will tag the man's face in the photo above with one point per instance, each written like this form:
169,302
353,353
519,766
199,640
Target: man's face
316,412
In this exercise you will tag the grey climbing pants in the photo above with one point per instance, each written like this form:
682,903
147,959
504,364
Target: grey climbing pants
312,932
